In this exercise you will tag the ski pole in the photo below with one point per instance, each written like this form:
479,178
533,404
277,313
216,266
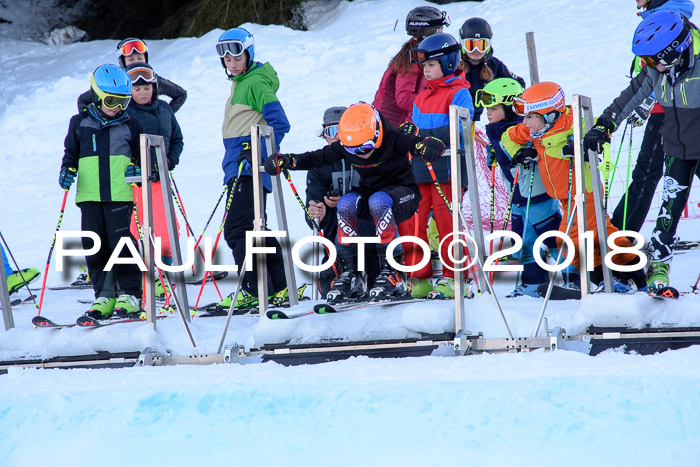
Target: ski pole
619,150
527,213
509,209
491,220
211,216
218,237
19,270
629,163
53,244
694,287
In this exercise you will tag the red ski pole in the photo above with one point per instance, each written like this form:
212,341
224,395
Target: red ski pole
53,244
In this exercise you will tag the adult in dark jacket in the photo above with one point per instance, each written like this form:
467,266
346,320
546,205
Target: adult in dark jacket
387,193
133,50
478,63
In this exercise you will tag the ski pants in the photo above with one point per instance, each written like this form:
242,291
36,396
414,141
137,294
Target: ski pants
529,224
240,219
160,225
386,209
110,221
417,226
678,178
645,177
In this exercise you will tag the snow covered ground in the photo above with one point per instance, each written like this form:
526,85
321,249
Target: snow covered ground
536,408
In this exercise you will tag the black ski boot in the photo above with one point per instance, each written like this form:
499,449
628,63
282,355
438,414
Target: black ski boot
390,284
350,286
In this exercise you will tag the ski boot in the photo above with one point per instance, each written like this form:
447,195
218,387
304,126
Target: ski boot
529,290
350,285
127,306
420,288
83,280
445,289
390,284
161,289
17,279
244,301
657,276
281,298
102,308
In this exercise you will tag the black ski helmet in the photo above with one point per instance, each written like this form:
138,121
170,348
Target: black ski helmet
423,21
475,28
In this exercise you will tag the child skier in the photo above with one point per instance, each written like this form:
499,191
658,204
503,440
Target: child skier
403,80
133,50
670,46
324,187
387,193
156,118
478,62
445,85
546,137
533,211
101,147
252,101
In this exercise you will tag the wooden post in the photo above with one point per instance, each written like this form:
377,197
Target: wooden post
532,57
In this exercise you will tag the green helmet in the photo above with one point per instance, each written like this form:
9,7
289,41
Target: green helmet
499,91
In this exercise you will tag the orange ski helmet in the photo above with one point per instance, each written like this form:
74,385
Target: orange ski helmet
360,129
545,98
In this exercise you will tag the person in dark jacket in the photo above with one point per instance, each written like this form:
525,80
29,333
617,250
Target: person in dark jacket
324,187
403,80
478,63
102,147
133,50
156,118
670,46
631,212
387,193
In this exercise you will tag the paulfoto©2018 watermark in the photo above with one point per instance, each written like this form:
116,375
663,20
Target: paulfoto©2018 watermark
464,239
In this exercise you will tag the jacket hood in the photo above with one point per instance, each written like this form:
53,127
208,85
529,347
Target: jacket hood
684,7
447,81
261,71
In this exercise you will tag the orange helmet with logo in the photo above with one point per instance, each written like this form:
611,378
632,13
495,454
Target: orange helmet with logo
360,129
542,98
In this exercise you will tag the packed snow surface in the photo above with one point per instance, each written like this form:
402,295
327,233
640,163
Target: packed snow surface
538,408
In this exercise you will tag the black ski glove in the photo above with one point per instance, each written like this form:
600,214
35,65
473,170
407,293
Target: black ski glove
599,134
430,149
67,177
409,129
246,154
276,163
524,156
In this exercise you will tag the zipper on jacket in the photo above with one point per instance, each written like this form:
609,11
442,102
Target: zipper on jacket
94,143
685,101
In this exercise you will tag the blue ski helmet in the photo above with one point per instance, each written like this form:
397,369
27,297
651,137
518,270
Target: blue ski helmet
111,86
236,41
662,37
441,47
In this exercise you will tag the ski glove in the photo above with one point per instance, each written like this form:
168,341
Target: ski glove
409,129
524,156
568,150
640,114
276,163
599,134
430,149
67,177
132,171
490,156
246,154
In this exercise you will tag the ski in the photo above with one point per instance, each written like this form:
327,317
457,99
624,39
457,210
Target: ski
217,276
20,301
666,293
558,292
84,286
42,322
327,308
685,245
87,322
215,309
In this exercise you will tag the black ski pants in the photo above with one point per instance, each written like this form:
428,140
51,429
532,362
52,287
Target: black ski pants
678,178
110,221
239,220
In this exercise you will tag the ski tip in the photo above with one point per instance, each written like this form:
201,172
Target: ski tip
667,292
323,309
276,314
